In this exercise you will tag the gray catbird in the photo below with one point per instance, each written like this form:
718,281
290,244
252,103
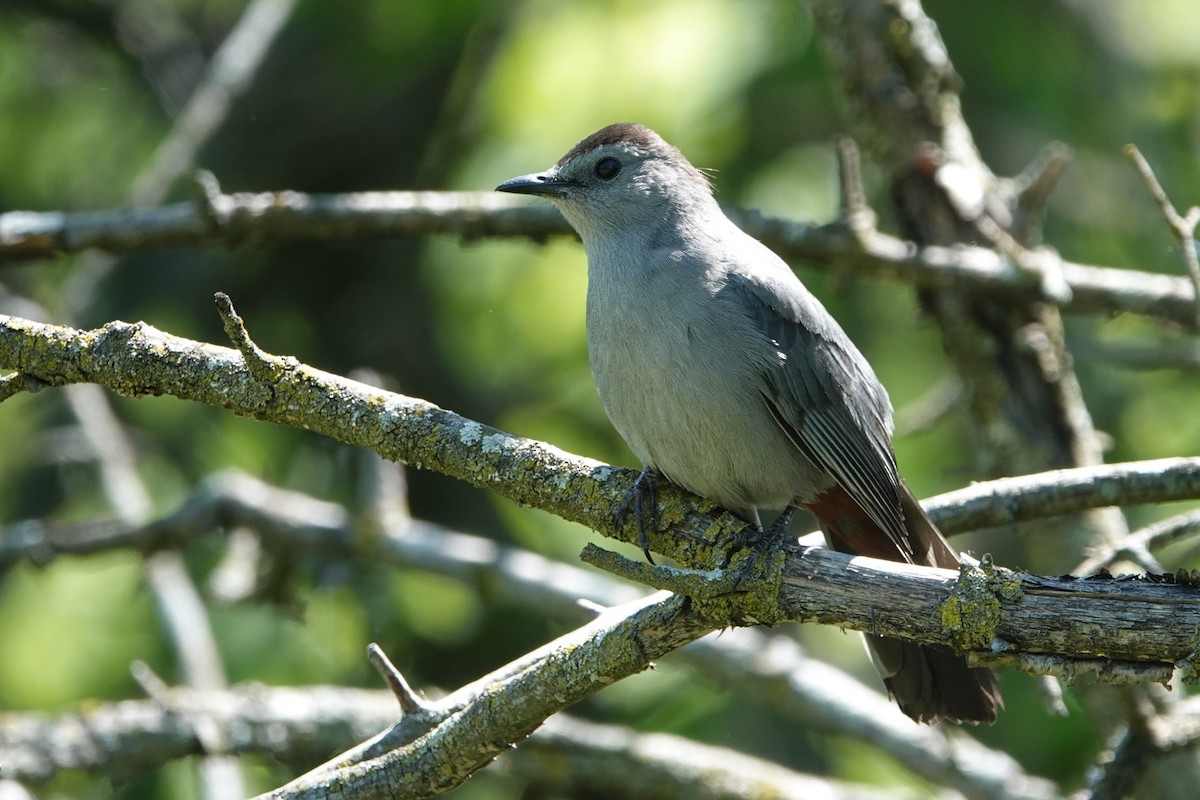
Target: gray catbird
725,375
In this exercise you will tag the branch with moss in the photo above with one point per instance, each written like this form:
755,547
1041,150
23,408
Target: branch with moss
985,611
138,360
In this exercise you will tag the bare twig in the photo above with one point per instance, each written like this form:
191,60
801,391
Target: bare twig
293,216
230,72
485,717
261,364
410,701
1033,188
1183,226
1137,546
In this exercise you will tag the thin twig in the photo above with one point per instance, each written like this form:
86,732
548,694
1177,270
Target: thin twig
410,701
230,72
293,216
1182,226
680,581
1138,544
1033,188
262,364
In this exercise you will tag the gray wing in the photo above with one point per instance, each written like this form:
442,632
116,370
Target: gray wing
826,398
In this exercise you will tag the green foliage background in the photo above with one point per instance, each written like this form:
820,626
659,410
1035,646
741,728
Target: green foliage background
461,94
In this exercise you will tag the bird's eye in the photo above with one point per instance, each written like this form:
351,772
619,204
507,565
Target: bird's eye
607,168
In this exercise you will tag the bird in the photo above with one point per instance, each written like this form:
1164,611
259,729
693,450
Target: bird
726,376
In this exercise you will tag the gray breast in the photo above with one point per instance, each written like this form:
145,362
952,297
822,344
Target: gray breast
680,375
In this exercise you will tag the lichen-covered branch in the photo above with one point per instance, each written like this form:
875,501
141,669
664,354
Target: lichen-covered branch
428,754
138,360
927,605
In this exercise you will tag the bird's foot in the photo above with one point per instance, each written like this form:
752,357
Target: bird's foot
755,566
642,498
755,538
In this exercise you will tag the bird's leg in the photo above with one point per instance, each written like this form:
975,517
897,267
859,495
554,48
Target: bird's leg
784,521
643,493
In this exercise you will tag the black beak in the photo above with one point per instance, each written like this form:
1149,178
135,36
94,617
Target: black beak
546,184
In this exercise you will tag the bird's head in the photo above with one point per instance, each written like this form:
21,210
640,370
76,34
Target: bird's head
622,177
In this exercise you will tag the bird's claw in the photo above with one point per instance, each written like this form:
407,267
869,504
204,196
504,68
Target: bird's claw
643,493
752,537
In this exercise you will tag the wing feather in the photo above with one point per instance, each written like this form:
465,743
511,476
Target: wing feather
826,399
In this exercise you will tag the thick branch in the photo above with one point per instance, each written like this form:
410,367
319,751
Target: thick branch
1147,621
480,721
137,359
993,609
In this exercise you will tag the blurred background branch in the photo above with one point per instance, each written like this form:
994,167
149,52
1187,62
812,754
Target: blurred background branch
289,216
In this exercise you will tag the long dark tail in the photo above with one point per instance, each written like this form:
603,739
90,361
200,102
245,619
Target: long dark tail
928,682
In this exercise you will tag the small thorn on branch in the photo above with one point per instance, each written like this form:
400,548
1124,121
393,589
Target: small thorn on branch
260,363
154,686
410,701
1036,182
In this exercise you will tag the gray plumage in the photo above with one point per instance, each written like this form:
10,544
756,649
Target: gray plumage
726,375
